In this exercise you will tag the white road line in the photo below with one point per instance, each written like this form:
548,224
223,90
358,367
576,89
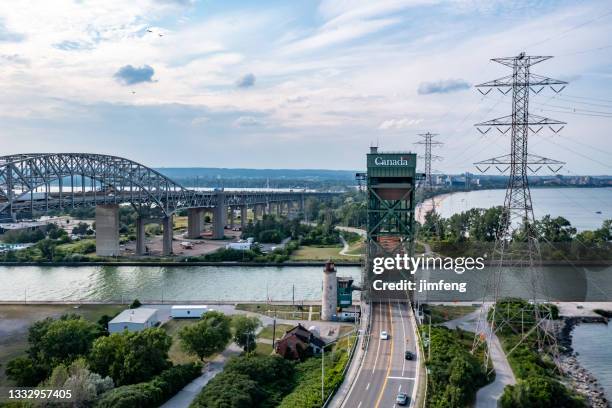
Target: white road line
405,341
377,348
368,386
399,388
401,378
358,406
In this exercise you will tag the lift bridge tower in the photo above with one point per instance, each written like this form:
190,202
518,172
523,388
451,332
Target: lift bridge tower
390,187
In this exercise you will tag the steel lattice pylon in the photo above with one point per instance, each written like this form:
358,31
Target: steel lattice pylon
428,157
516,243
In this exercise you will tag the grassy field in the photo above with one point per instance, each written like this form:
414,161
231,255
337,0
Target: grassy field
313,253
16,319
282,311
266,333
176,353
263,349
444,313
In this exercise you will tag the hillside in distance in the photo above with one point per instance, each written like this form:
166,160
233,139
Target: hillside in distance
259,178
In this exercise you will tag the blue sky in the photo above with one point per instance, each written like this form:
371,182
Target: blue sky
299,84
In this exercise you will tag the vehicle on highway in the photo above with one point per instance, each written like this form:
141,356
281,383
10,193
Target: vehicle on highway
384,335
409,355
402,399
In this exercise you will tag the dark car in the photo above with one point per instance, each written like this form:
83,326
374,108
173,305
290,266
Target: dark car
409,355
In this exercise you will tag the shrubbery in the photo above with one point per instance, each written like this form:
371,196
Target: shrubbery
249,381
454,374
152,393
307,394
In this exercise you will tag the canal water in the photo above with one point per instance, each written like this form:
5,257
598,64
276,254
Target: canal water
116,283
593,343
259,283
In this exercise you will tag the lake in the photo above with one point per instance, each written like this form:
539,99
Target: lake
593,343
578,205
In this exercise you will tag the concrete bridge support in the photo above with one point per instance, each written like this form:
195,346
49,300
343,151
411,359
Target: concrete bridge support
219,217
231,217
107,230
279,209
258,212
243,217
167,237
140,236
194,222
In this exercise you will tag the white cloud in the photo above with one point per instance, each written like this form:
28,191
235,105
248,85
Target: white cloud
248,121
399,124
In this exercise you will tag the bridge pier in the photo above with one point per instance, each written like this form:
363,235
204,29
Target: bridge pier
219,217
167,237
140,236
107,230
231,217
194,222
243,217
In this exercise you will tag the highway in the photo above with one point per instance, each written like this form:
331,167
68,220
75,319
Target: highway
384,371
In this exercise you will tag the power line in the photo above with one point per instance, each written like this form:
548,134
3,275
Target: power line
576,27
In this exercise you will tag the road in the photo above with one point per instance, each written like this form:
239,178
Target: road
384,371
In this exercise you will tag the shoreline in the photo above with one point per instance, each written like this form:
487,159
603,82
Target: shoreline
580,378
594,263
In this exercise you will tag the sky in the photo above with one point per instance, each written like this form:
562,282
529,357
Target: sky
298,84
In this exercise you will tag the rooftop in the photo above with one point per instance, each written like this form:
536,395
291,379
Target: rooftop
140,315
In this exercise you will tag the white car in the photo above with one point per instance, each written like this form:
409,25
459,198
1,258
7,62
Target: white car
384,335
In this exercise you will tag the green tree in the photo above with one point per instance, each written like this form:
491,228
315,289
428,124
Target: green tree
209,335
130,358
556,229
25,372
245,328
47,248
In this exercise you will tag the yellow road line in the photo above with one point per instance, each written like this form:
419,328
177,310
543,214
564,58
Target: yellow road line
382,389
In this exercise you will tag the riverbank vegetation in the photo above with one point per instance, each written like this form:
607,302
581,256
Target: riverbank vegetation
538,382
473,232
454,374
118,370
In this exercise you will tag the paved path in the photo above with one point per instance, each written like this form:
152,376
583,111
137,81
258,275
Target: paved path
346,247
188,394
488,396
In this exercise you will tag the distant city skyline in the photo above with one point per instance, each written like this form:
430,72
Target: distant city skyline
298,85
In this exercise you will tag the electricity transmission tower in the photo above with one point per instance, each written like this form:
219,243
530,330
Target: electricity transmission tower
427,184
516,243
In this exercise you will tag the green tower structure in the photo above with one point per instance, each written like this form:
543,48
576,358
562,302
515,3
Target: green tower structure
391,183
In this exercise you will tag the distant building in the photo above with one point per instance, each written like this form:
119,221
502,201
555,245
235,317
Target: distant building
134,320
299,343
241,245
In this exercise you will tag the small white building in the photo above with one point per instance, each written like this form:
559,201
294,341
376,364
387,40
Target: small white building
188,311
241,245
133,320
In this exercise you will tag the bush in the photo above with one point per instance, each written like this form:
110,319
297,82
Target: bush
152,393
248,381
455,374
539,392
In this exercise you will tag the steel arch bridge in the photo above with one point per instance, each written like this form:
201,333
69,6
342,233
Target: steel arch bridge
40,182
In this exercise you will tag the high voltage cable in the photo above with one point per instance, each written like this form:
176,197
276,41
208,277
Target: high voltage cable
576,27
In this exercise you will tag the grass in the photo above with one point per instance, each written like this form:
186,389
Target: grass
16,319
263,349
176,354
444,313
266,333
289,312
313,253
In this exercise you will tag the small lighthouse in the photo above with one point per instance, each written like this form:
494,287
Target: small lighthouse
330,291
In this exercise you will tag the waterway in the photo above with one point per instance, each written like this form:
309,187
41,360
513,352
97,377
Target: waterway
185,283
255,283
593,343
585,208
